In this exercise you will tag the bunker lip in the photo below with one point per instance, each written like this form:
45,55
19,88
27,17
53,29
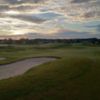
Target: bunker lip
28,58
22,66
2,58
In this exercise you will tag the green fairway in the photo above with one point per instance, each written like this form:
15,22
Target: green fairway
76,76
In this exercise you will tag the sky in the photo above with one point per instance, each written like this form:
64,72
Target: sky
49,19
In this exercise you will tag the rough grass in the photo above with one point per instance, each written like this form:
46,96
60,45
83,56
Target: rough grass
74,77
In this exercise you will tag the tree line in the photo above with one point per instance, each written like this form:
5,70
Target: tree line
88,41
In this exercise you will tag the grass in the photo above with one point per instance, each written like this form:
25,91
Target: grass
74,77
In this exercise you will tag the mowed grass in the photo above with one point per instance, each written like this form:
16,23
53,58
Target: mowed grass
76,76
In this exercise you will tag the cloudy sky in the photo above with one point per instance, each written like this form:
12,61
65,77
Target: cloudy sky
50,18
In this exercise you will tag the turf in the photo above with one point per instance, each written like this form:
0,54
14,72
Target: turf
73,77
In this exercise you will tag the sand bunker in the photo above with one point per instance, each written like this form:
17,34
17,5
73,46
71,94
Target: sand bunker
20,67
2,58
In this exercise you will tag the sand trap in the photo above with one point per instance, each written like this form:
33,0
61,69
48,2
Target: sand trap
2,58
20,67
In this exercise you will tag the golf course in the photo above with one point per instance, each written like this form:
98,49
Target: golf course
73,73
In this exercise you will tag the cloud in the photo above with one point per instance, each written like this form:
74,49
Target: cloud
64,34
80,1
21,5
29,18
13,36
91,15
20,1
35,18
49,16
97,27
82,12
76,34
3,8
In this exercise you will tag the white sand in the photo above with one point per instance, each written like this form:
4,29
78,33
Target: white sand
1,58
20,67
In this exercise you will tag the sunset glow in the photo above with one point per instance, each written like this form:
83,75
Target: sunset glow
11,12
49,18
